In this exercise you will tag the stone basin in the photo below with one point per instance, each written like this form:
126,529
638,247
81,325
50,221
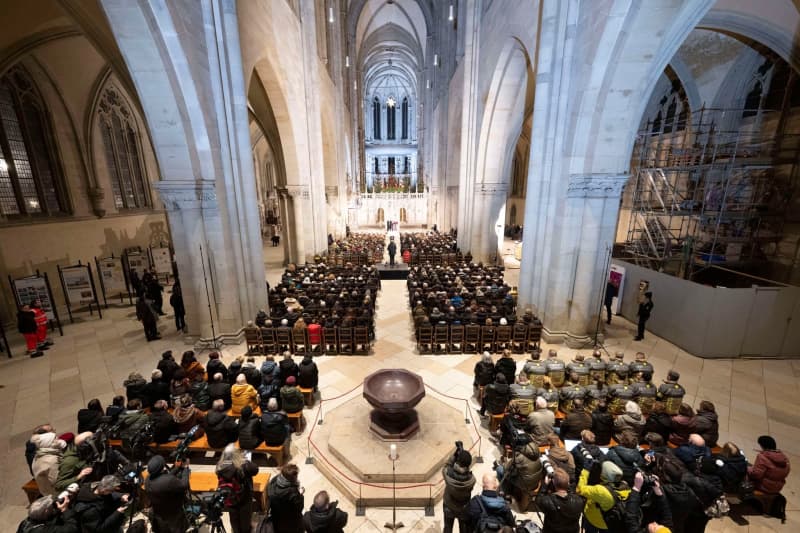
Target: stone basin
393,394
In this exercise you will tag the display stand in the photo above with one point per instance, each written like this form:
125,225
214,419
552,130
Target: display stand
161,259
113,279
77,282
37,287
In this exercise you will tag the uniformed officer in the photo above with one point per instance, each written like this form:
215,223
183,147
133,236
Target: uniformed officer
594,393
671,393
536,369
645,392
571,392
579,366
617,370
550,394
640,364
618,396
556,369
522,395
597,367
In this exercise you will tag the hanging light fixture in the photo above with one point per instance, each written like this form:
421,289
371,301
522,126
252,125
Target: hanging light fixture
451,17
347,61
330,14
435,60
428,84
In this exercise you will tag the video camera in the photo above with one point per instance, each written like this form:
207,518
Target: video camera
649,479
182,450
213,505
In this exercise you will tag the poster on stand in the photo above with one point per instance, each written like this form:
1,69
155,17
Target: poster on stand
617,277
137,262
162,260
34,288
78,285
112,275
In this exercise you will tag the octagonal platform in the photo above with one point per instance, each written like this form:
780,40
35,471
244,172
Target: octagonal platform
348,445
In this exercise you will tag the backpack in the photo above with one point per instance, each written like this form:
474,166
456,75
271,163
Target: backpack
29,526
233,489
487,522
615,517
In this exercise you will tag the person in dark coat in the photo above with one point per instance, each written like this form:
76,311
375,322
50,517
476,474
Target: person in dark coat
707,423
458,483
288,368
496,396
489,502
484,371
286,500
156,389
221,429
562,508
275,426
163,423
575,422
626,456
693,451
507,366
392,249
611,292
249,429
215,365
734,467
26,323
602,424
100,507
219,389
168,366
270,388
587,443
324,516
166,491
683,425
134,386
645,308
176,301
308,373
89,419
233,469
659,422
148,317
155,293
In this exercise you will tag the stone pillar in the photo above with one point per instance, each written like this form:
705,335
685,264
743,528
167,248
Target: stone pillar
487,213
295,203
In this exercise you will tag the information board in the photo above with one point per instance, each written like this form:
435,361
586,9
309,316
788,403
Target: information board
162,260
112,275
34,288
78,285
137,262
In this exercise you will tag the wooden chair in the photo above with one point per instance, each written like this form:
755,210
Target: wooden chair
300,341
345,339
495,420
488,335
297,420
503,338
456,339
534,336
425,339
441,339
283,339
252,336
361,344
308,396
519,339
329,342
472,338
268,344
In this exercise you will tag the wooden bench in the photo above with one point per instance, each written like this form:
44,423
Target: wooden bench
308,396
297,420
279,453
495,420
200,482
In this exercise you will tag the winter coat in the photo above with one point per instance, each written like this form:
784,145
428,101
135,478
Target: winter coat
270,388
598,499
98,514
286,505
660,424
220,390
249,432
89,420
68,470
525,471
577,455
163,426
186,418
308,374
193,369
168,368
540,425
628,422
167,493
46,462
562,459
242,395
330,520
484,373
494,504
287,368
292,400
216,366
508,367
497,396
682,427
574,424
270,368
769,472
458,483
221,429
244,474
201,398
626,459
135,388
732,472
689,454
274,427
155,390
561,513
26,322
602,427
314,334
252,375
707,426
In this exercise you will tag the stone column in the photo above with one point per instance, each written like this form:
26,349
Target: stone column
487,212
297,230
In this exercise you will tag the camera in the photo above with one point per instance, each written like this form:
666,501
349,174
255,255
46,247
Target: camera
649,479
213,505
547,465
587,455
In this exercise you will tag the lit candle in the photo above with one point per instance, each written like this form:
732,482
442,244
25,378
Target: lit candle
451,16
393,452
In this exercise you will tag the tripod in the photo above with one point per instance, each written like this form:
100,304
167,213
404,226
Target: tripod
214,342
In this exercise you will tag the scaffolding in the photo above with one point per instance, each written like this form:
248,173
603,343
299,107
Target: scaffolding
705,195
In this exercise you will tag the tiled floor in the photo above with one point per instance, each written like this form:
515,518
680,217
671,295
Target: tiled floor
94,357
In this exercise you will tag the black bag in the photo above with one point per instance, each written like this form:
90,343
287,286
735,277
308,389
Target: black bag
488,522
615,517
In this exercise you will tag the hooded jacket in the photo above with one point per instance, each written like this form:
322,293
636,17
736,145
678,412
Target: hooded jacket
308,374
286,505
287,368
270,367
732,472
562,459
497,396
526,470
249,432
242,395
135,388
769,472
494,504
330,520
458,483
49,451
274,427
292,399
707,426
626,459
629,421
221,429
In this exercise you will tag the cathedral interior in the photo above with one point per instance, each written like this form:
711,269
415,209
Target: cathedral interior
571,156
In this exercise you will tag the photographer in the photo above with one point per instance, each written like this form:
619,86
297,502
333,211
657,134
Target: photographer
458,483
586,450
235,476
603,496
324,516
100,508
76,464
521,474
488,509
51,515
166,491
658,513
286,500
562,509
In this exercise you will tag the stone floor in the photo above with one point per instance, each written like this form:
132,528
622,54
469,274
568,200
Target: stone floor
93,358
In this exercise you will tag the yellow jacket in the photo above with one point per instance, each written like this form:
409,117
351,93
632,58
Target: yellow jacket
242,395
597,497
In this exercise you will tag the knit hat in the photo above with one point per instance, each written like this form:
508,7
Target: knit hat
291,380
673,375
767,443
156,465
464,458
69,438
610,473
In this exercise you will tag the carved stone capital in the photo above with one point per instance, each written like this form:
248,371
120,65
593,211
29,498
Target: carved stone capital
596,185
332,190
180,195
301,192
492,189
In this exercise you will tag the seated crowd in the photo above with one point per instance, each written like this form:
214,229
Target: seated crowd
436,247
242,404
357,248
640,458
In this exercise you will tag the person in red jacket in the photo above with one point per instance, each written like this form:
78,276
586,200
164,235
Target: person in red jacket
26,323
771,468
43,343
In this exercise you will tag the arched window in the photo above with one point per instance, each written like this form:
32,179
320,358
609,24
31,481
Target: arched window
30,175
376,118
377,170
390,121
405,119
123,151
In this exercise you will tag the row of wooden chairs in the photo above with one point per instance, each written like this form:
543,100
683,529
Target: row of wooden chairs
475,339
363,258
332,341
435,258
